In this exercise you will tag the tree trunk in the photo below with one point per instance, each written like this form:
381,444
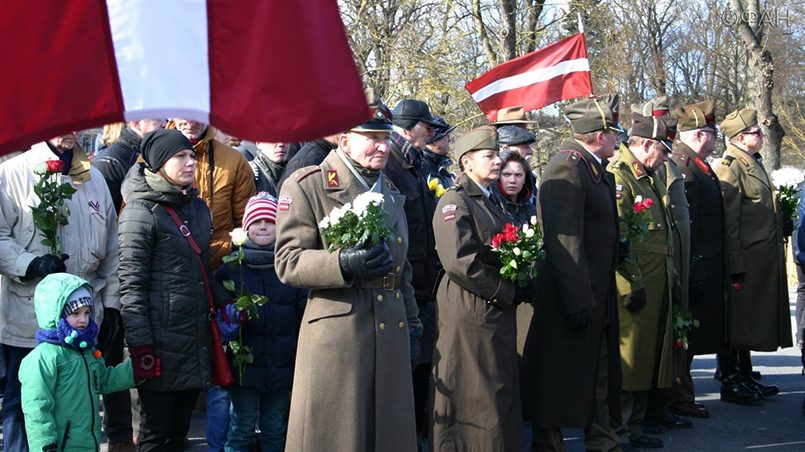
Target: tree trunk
761,71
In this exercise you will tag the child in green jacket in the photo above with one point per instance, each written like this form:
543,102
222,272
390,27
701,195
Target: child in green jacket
63,377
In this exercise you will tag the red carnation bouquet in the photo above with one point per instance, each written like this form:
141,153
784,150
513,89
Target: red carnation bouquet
638,219
519,249
52,211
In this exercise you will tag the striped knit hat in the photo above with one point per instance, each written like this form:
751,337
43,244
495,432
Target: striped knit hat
261,206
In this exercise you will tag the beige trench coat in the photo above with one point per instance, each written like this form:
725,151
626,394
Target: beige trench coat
352,387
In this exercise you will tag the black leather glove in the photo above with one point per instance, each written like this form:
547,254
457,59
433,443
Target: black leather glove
624,249
525,294
42,266
635,300
579,321
488,256
788,226
111,328
365,264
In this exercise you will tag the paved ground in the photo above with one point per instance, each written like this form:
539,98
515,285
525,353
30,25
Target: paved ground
775,424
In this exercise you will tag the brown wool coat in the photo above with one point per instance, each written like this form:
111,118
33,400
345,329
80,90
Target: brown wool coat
352,387
707,300
580,223
645,333
759,314
476,402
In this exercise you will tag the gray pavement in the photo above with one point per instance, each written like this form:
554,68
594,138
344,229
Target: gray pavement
774,424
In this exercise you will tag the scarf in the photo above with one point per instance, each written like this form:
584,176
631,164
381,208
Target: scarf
66,336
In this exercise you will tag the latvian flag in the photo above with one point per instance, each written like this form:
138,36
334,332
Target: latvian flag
542,77
267,70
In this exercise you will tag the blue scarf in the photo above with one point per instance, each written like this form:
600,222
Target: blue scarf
66,336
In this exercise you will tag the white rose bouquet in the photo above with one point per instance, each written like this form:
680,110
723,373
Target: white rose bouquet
788,180
361,222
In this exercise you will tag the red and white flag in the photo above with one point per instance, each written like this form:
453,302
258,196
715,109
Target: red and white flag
267,70
559,71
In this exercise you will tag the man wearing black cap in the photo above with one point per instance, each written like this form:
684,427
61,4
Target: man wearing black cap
571,364
643,278
517,139
413,126
436,161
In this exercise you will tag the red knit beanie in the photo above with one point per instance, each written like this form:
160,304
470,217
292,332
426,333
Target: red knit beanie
262,206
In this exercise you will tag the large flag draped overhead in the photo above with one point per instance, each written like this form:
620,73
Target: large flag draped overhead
555,72
267,70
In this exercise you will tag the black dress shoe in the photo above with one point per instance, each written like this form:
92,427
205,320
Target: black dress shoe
646,442
734,391
690,409
671,421
763,390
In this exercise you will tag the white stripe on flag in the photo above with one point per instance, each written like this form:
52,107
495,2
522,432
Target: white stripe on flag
162,57
531,78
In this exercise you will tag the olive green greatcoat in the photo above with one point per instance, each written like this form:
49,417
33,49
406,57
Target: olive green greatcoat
352,388
645,332
707,301
679,216
759,316
476,402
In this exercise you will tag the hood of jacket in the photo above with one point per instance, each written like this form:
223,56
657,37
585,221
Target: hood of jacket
51,295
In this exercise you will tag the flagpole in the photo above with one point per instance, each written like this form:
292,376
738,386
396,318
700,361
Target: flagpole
581,22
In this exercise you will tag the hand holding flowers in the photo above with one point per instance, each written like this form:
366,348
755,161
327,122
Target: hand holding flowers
361,222
519,249
637,220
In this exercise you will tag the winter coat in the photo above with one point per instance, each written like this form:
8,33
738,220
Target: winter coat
476,397
115,162
225,183
267,174
799,233
580,225
311,154
352,386
437,166
61,385
708,284
164,301
645,332
274,334
89,238
759,313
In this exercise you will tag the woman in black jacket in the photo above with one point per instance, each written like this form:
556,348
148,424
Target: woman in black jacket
516,188
165,307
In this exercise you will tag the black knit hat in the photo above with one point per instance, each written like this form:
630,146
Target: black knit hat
160,145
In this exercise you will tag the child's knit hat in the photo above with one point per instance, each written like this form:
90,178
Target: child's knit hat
78,298
262,206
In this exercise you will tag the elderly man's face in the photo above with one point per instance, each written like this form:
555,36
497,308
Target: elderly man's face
64,142
190,129
368,149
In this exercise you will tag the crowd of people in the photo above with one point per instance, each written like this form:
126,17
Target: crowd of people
417,341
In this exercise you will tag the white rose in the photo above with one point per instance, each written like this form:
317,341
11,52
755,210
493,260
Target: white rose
638,198
239,236
533,220
516,251
324,223
529,233
364,200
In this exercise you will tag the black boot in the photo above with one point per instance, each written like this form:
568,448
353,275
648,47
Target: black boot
763,390
733,390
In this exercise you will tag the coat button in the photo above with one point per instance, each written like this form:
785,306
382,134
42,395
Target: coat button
399,269
399,239
382,326
380,298
401,325
397,295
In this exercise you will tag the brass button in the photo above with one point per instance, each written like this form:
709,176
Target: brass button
380,298
382,326
399,239
401,325
399,269
397,295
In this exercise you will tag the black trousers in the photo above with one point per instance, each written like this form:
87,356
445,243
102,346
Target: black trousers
116,405
165,419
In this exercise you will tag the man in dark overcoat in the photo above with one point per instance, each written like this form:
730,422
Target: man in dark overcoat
573,336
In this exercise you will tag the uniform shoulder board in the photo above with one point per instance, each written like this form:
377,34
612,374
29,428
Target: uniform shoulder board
727,160
573,155
302,173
